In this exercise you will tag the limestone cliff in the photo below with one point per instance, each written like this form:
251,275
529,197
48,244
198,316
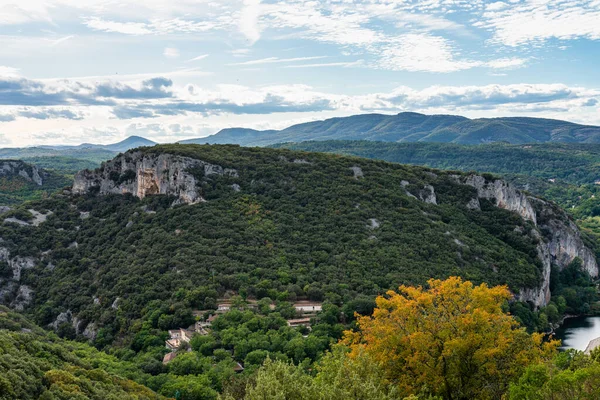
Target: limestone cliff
559,239
146,174
31,173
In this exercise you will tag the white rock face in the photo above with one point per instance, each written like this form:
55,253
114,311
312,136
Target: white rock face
17,264
29,172
146,174
503,194
427,194
23,298
560,246
358,172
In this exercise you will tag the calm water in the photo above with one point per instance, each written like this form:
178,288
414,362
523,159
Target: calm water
576,333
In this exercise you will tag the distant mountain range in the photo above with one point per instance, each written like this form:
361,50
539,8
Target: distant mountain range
86,151
124,145
414,127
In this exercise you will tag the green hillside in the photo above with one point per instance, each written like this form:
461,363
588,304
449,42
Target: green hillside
287,226
414,127
564,173
35,364
20,181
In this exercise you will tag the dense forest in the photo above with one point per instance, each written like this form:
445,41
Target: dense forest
561,172
120,271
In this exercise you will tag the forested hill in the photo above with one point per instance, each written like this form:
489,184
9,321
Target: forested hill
566,173
576,163
265,222
21,181
414,127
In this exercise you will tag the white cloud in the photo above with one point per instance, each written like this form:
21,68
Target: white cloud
153,27
276,60
423,52
249,20
506,63
9,72
56,42
332,64
202,57
536,21
171,52
128,28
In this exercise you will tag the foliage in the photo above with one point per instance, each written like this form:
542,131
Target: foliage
571,375
563,172
452,339
35,364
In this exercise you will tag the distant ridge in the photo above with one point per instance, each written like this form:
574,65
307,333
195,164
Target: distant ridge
85,151
415,127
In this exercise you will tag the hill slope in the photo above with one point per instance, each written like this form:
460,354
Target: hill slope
564,173
414,127
39,365
271,223
21,181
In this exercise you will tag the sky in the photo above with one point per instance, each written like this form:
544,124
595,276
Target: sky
74,71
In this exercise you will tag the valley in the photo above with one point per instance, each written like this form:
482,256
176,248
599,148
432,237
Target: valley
153,240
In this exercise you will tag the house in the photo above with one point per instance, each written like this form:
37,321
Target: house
238,368
177,337
294,323
169,357
307,307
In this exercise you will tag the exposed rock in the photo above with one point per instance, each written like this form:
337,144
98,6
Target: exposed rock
146,174
129,224
373,224
357,171
90,331
236,187
38,217
64,317
473,204
4,209
23,298
301,161
29,172
16,221
17,264
84,214
503,194
427,194
560,242
73,245
459,243
50,266
115,304
96,301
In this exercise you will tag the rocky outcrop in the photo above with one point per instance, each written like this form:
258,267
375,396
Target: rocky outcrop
17,264
31,173
559,239
12,292
502,193
147,174
23,298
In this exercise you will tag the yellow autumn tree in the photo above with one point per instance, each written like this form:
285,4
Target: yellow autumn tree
452,339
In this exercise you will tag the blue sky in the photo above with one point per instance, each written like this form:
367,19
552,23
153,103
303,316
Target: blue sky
75,71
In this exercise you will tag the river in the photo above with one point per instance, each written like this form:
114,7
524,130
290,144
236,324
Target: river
576,333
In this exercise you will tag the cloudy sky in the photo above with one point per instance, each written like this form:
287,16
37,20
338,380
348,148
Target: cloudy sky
75,71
